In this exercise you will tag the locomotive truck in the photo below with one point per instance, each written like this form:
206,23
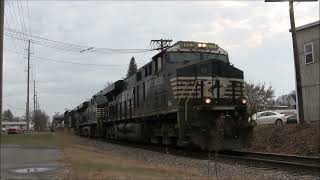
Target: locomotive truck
188,94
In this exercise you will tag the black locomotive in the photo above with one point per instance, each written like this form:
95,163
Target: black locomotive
187,95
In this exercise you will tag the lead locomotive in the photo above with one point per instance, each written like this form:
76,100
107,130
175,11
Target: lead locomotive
187,95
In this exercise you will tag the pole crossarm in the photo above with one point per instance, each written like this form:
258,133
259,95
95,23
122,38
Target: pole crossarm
290,0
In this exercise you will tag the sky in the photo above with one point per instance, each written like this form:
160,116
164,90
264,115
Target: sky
255,34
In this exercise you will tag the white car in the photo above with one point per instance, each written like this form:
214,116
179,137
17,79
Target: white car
269,117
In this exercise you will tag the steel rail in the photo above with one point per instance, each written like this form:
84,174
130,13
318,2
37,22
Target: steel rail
300,163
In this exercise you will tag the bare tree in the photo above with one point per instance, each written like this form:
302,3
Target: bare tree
40,120
259,96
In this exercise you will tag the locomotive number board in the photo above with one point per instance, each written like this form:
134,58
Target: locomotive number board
196,45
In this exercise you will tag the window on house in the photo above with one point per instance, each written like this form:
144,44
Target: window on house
308,53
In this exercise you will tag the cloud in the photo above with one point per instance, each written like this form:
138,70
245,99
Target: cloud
254,33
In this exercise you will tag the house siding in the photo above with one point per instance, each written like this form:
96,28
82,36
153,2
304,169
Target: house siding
310,73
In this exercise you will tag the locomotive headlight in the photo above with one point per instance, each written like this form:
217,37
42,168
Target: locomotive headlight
244,101
200,45
207,100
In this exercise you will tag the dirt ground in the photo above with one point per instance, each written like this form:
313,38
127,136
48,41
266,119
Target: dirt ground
83,160
287,139
88,162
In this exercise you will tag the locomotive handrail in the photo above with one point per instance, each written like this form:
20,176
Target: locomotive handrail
186,103
184,87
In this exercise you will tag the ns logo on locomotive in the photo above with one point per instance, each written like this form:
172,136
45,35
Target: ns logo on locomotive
187,95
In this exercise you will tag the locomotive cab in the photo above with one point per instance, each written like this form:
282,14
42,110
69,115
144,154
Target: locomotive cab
209,94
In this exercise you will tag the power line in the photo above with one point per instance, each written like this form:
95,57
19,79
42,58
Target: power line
20,9
13,41
14,25
70,47
17,19
29,19
69,62
18,108
76,63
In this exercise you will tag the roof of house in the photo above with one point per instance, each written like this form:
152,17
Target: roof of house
307,25
14,123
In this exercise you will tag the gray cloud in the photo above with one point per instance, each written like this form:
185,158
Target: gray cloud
255,34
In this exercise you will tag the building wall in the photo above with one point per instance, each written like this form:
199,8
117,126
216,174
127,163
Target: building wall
310,73
21,126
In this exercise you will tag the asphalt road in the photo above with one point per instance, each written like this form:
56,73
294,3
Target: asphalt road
31,162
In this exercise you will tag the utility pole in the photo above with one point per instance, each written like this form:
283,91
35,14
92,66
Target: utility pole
34,100
299,99
36,112
28,84
1,55
161,43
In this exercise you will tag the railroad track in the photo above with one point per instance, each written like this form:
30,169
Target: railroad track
292,163
277,161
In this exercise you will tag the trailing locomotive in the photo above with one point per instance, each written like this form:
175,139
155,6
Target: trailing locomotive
187,95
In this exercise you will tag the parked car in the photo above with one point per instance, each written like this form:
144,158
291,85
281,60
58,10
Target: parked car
268,117
14,130
3,130
292,119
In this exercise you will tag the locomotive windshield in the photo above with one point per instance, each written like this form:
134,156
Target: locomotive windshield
185,57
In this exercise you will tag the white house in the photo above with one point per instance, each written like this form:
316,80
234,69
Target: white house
21,124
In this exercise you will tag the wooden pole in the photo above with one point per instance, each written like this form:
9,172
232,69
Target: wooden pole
299,100
1,55
28,84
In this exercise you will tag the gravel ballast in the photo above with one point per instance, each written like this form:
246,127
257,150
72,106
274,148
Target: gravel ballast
220,169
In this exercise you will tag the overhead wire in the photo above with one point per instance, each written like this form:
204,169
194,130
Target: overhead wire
13,40
70,62
144,54
17,108
22,19
24,30
77,63
72,47
13,24
16,18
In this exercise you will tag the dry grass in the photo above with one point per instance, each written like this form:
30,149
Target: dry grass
35,138
88,162
85,161
287,139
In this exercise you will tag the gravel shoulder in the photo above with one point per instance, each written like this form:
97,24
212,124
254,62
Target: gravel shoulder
110,160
